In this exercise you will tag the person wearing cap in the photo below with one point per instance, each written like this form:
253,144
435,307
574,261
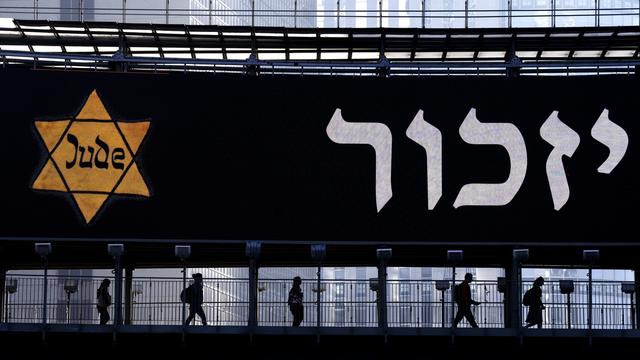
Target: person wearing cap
195,300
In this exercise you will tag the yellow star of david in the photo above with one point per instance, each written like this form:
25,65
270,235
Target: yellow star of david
92,157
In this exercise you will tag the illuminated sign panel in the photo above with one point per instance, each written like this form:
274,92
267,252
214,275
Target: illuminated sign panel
440,159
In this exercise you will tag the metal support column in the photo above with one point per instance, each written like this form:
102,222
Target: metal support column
383,255
183,252
128,287
636,273
45,285
253,252
116,251
508,295
590,300
515,287
454,257
3,293
318,254
453,294
117,311
44,250
253,10
253,293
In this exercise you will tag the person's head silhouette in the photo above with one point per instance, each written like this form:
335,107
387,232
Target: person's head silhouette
197,277
468,277
297,281
539,281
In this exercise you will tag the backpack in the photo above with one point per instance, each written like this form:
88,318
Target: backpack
185,295
527,298
458,295
104,299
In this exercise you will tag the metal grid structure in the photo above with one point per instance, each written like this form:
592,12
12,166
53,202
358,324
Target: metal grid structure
335,13
152,47
343,303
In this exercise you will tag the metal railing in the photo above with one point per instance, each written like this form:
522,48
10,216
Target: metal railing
611,308
336,13
342,303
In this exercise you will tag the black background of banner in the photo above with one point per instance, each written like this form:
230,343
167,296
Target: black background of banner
248,158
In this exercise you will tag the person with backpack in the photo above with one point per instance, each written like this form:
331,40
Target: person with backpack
464,301
104,301
193,295
533,299
295,301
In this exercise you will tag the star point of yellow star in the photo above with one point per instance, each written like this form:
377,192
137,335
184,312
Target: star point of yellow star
92,157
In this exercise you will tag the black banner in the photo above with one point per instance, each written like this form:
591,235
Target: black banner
250,158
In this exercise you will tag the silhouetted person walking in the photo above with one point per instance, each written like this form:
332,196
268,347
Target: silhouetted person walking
533,299
295,301
194,297
104,301
464,301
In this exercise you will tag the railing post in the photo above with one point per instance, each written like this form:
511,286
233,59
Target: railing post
166,12
253,10
509,13
380,13
633,311
597,14
553,13
338,14
128,287
210,12
466,14
423,10
124,11
295,13
35,9
569,310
